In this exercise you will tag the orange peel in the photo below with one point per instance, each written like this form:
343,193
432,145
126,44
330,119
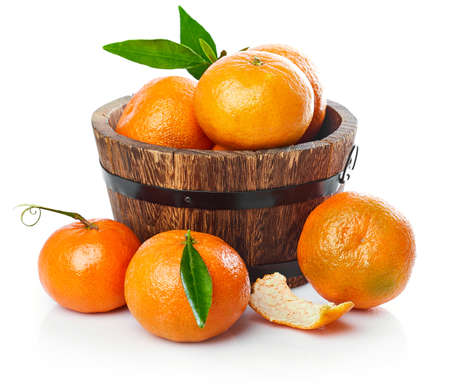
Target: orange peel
273,300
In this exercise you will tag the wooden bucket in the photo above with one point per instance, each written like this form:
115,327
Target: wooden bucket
257,201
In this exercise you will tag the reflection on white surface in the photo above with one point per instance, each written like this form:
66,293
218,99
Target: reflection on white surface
360,340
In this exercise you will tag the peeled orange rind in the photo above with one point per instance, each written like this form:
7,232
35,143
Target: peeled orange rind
273,299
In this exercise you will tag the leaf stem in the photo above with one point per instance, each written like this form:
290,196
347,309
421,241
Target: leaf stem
257,61
36,210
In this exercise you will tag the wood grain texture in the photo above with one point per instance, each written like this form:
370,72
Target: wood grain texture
261,236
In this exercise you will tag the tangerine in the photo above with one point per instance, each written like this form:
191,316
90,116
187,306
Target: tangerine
162,113
82,265
254,100
155,295
310,70
356,248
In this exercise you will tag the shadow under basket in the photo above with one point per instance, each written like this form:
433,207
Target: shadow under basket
257,201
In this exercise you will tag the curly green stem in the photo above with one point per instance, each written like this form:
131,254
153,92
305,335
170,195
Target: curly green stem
36,210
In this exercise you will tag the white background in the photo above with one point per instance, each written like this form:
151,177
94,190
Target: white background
388,61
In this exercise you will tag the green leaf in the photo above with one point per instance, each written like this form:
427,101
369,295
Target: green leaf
198,71
196,281
157,53
190,33
208,51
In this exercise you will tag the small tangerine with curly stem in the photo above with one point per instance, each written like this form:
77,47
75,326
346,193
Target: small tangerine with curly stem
82,265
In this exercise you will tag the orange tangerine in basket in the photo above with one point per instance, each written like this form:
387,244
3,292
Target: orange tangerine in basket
309,69
162,113
254,100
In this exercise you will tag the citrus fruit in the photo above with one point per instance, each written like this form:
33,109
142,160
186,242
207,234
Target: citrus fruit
356,248
273,300
83,267
254,100
162,113
156,297
309,69
220,147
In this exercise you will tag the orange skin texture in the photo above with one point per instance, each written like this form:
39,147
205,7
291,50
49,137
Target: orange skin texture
242,105
162,113
155,294
219,147
356,248
84,269
309,69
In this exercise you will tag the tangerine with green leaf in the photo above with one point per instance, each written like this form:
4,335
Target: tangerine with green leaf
186,286
261,98
82,265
